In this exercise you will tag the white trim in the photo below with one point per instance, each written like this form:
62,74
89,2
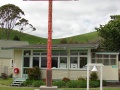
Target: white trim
110,53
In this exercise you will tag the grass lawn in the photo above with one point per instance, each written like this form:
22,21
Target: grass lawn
31,88
6,82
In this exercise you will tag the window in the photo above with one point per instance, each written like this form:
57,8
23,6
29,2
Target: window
113,61
83,53
63,62
11,63
27,52
99,60
73,62
35,61
36,52
55,62
106,62
83,62
26,62
43,62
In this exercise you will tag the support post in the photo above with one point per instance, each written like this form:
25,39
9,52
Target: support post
49,47
88,77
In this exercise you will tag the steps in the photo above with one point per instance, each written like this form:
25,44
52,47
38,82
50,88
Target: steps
18,81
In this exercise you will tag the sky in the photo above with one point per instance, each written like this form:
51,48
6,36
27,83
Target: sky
70,18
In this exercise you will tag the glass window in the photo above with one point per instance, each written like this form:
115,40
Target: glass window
99,56
73,53
106,62
73,62
83,53
99,60
83,62
36,52
93,60
43,62
106,56
55,53
55,62
44,53
35,61
26,62
27,52
63,53
63,62
113,61
112,56
93,55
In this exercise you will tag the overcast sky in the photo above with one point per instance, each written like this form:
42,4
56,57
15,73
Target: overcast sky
69,17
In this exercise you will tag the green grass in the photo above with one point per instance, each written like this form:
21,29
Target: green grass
6,82
88,37
31,88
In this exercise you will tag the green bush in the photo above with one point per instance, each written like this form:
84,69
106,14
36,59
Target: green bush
73,84
81,79
37,83
83,84
93,76
34,73
60,84
27,83
94,83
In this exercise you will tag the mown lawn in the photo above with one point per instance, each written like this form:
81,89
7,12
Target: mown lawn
6,82
31,88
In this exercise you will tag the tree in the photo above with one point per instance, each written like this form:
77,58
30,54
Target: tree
9,14
110,34
24,25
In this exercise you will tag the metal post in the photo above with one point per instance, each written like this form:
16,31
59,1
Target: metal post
49,47
87,77
100,77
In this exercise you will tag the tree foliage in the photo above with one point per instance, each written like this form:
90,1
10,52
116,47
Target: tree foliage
110,33
10,17
9,14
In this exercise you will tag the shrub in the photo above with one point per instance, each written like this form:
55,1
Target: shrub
81,79
37,83
76,84
4,76
27,83
94,83
60,84
83,84
34,73
65,79
93,76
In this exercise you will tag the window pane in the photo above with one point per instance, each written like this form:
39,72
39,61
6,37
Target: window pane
83,53
73,62
93,60
99,61
112,56
44,62
35,61
27,52
36,52
44,53
106,62
73,53
55,53
55,62
99,56
26,62
83,62
113,61
63,62
63,53
93,55
106,56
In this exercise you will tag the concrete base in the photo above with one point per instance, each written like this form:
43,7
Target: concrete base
48,88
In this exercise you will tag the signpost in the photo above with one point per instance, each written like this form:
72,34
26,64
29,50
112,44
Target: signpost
49,43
